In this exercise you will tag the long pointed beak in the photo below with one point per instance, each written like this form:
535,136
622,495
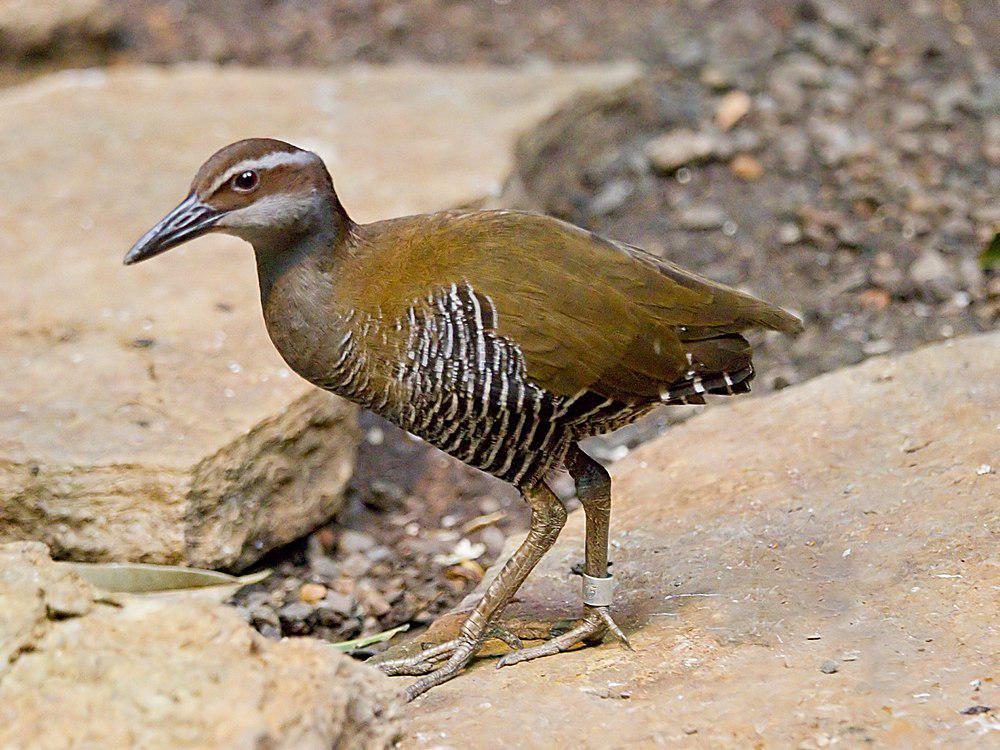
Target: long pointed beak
190,219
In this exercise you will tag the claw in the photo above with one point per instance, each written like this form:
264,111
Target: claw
605,614
502,633
596,621
427,664
422,663
456,663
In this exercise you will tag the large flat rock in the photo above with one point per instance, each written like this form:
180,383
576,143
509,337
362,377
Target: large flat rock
143,412
813,568
78,669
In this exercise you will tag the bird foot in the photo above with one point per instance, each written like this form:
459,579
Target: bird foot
425,661
595,623
454,653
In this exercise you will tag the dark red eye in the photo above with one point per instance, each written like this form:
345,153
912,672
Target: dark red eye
244,182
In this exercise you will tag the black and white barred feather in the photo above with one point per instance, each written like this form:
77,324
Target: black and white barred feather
464,388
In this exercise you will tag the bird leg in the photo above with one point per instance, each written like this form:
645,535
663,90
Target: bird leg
593,487
547,519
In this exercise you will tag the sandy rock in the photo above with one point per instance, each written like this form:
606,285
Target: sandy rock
155,673
848,520
144,415
27,25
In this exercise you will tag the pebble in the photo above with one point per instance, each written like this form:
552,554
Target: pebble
386,495
325,568
849,234
312,593
910,115
829,667
746,167
874,299
932,269
789,233
294,615
355,566
336,606
837,143
732,108
677,148
794,149
354,541
701,217
611,197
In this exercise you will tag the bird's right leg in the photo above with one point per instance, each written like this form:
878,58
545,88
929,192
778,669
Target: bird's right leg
547,519
593,485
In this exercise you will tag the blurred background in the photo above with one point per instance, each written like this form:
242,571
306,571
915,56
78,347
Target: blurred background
841,159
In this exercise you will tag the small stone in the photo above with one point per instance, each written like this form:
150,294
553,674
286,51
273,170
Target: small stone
673,150
354,541
794,148
732,108
746,167
837,144
355,566
325,568
829,667
261,614
312,593
611,197
910,116
874,299
326,538
294,618
849,234
335,608
789,233
954,95
931,267
702,217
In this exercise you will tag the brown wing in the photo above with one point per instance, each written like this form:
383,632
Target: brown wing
587,312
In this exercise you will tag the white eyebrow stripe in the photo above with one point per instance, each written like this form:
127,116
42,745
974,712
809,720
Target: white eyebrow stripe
267,161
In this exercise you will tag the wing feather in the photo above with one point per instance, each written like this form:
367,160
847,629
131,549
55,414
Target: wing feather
587,312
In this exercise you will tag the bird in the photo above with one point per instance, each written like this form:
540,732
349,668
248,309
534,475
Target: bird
501,337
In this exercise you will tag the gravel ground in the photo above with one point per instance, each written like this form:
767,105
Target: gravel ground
841,159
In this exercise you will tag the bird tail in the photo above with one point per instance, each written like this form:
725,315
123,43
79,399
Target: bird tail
719,365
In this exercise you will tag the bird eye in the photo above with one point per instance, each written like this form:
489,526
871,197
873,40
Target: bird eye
244,182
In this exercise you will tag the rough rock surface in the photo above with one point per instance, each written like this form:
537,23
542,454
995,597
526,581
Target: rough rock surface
814,567
143,413
77,670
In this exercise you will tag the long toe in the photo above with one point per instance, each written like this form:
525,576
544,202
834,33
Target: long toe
422,663
595,623
455,664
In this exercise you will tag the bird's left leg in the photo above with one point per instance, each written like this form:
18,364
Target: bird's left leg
593,487
547,519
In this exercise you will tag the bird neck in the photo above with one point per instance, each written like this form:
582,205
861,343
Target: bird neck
309,248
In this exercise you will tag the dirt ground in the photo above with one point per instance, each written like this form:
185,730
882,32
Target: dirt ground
841,159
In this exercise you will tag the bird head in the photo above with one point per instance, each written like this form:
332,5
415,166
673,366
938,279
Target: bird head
259,189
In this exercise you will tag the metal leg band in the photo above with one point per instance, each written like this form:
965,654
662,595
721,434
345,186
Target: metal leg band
597,592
